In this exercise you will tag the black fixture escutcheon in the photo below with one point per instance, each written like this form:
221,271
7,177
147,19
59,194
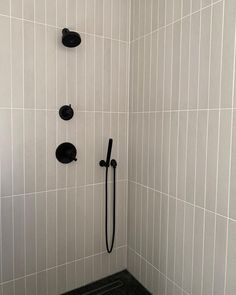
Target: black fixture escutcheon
66,112
66,153
70,39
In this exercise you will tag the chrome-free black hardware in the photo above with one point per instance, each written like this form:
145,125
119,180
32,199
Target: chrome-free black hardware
70,39
66,112
107,164
66,153
102,163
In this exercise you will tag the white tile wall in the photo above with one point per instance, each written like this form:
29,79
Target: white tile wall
52,221
181,217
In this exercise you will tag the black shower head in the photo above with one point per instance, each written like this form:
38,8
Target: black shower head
70,39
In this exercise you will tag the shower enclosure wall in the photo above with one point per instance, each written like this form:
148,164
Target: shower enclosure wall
158,77
52,215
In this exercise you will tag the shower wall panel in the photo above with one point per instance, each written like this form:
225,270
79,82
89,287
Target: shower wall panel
52,215
182,209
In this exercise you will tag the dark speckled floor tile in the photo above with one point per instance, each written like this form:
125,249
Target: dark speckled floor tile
122,283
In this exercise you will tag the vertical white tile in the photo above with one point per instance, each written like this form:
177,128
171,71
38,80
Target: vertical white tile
232,204
8,288
228,53
41,283
71,13
40,11
18,152
176,66
81,125
179,254
80,223
61,15
79,270
41,152
208,253
71,195
88,264
89,147
169,11
185,53
16,8
188,247
204,57
164,234
99,17
224,162
51,67
30,284
51,229
61,279
162,14
173,153
30,239
7,239
5,7
5,72
51,148
19,233
20,286
17,63
51,281
231,262
124,20
198,251
201,159
41,212
220,255
40,66
181,179
171,238
191,147
90,47
168,67
51,12
212,160
29,123
154,69
89,221
216,42
61,226
158,144
165,152
196,5
29,65
28,10
99,59
194,60
144,212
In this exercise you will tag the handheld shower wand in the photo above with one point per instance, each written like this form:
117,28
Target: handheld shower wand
107,164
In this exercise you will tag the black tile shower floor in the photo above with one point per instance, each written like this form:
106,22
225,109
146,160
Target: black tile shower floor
122,283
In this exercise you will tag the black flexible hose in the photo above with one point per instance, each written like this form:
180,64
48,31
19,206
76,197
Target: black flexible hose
109,249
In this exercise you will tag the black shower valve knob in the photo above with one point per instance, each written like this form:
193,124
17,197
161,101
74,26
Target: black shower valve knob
66,153
66,112
70,39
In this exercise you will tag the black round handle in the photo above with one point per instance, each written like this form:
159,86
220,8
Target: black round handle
66,153
102,163
66,112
